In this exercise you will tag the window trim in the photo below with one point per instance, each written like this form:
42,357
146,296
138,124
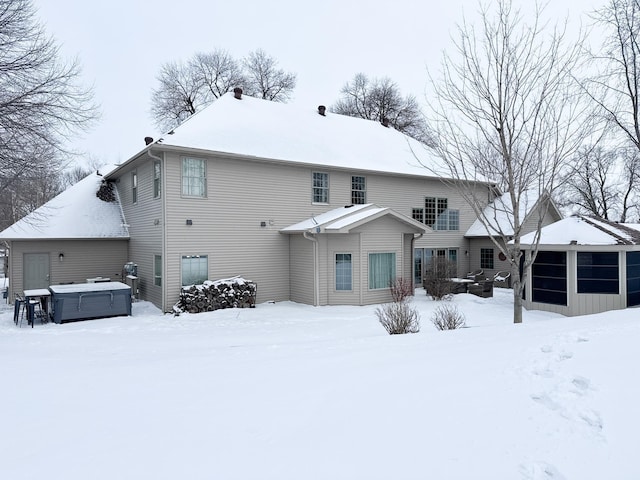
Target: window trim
324,189
157,270
157,179
484,252
335,285
182,258
204,178
355,191
393,273
134,186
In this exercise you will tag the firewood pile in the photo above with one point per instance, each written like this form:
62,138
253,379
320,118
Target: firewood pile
233,292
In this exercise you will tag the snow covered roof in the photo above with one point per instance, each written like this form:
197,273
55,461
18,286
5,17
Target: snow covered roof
75,213
498,215
579,230
289,132
343,219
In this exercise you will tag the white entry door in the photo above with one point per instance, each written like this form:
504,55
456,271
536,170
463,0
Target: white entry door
36,270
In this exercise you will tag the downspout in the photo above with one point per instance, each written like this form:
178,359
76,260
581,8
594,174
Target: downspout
9,271
413,262
163,196
316,273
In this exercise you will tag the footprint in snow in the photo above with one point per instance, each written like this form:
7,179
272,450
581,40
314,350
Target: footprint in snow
581,384
546,349
540,471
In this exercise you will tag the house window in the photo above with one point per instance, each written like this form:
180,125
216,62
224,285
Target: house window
358,190
157,172
157,270
418,214
320,190
486,258
549,278
195,269
382,270
134,187
598,272
343,271
194,177
633,279
438,216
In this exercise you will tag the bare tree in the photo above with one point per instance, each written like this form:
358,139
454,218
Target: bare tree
179,95
380,100
264,78
187,87
41,103
604,182
506,110
615,86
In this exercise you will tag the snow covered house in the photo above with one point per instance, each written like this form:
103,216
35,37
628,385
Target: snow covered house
584,265
261,189
71,238
498,222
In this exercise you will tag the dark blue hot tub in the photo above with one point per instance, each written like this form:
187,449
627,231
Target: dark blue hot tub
86,301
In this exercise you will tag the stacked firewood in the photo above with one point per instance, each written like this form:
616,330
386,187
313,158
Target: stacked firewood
105,192
233,292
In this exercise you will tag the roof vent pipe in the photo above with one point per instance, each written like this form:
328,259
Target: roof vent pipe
385,122
237,93
322,109
148,140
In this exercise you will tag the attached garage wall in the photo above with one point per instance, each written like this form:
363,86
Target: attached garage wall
82,259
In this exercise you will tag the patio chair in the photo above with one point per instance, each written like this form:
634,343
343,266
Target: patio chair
503,278
19,309
482,289
475,274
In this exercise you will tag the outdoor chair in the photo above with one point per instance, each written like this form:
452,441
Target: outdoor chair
19,309
475,274
482,289
503,278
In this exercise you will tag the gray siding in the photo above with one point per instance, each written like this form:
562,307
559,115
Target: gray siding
381,236
243,194
82,259
145,219
301,274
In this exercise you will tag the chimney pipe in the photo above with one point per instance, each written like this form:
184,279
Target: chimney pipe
322,109
385,122
148,140
237,93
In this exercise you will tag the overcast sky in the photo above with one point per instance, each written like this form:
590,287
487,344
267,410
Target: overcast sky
121,45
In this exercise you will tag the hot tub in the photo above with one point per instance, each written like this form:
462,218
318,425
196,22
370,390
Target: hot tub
85,301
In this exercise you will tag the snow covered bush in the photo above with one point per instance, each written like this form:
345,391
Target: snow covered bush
398,318
401,288
448,317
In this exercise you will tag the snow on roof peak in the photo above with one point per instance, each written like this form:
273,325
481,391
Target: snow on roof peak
75,213
582,230
498,215
290,132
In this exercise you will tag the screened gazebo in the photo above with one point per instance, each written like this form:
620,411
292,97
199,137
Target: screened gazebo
584,265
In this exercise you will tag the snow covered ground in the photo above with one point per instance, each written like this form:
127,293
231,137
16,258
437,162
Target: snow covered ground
287,391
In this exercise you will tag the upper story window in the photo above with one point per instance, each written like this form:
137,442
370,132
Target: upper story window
418,214
157,172
358,190
134,187
194,179
438,215
320,189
